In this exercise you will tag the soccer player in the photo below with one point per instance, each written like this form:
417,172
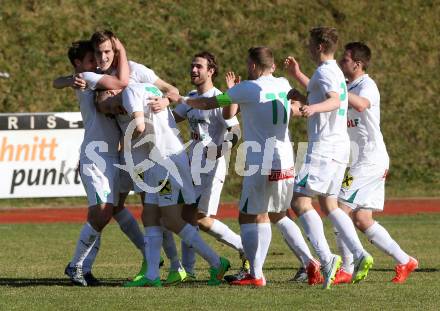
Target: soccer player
268,181
172,173
363,188
99,153
208,129
105,54
327,155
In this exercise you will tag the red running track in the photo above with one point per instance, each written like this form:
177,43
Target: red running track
226,210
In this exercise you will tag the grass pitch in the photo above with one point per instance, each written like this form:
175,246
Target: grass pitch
33,258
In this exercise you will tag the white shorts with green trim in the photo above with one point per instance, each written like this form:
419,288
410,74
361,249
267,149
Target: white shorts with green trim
319,175
176,180
267,193
363,186
100,183
208,194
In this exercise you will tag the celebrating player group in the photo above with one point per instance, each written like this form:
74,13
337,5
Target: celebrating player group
131,143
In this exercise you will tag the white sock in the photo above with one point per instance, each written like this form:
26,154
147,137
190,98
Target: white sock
225,235
130,227
380,237
347,256
265,237
169,247
192,237
293,237
314,229
256,240
343,223
86,241
91,257
153,244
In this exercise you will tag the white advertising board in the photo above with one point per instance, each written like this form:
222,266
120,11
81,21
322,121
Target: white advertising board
39,155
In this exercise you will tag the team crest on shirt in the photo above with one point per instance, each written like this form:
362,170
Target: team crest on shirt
348,180
166,190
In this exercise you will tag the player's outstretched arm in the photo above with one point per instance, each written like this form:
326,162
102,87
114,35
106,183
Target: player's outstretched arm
292,67
358,102
202,103
165,87
331,103
74,81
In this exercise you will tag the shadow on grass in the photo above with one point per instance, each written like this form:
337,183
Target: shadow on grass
26,282
23,282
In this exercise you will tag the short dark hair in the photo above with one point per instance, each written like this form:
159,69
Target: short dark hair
327,36
262,57
212,62
360,52
101,36
78,50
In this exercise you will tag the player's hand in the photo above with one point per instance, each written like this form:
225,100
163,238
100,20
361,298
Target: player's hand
78,82
117,44
292,66
307,110
157,104
173,97
231,79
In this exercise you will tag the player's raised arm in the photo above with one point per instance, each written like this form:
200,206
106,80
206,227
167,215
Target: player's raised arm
293,70
119,81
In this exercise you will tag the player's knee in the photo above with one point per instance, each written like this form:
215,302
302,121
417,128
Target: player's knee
276,217
173,224
362,223
204,222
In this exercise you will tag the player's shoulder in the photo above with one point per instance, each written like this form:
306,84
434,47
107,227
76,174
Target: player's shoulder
367,80
192,93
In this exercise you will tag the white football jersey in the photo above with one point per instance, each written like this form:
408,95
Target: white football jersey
364,127
207,126
97,126
265,112
327,131
162,126
138,74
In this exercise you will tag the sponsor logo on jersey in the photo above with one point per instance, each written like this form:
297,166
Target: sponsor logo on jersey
353,122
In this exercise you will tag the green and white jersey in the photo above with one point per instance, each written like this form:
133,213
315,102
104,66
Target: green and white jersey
161,126
265,112
364,127
138,74
97,126
207,127
327,131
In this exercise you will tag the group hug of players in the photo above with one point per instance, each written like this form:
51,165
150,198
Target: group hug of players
131,142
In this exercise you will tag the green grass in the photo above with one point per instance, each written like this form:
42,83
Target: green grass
165,34
34,257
